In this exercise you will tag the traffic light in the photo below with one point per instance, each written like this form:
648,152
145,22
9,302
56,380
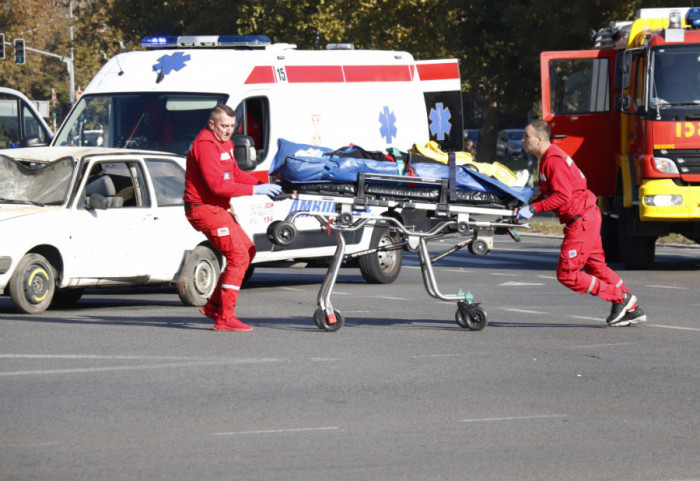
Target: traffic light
2,46
19,51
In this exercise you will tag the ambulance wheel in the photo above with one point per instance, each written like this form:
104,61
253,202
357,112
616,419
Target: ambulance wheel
282,233
381,267
331,325
199,277
33,284
479,247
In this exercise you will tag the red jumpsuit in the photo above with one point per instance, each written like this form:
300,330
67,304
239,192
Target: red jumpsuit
563,189
212,178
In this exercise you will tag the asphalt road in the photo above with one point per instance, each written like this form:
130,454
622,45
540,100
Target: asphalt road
131,385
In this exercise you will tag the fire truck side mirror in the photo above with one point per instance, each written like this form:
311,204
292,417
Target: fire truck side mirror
622,102
244,151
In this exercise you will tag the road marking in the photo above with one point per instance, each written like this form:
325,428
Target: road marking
141,367
518,284
612,344
587,318
514,418
675,327
278,431
523,311
668,287
393,298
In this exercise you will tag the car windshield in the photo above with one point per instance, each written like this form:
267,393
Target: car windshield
142,120
25,182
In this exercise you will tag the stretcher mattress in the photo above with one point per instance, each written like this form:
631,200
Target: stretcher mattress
309,165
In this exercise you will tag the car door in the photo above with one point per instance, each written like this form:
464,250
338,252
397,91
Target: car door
113,222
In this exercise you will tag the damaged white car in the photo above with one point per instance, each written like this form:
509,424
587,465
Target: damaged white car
72,218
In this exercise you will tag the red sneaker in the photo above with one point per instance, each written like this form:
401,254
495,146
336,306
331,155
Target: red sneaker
235,324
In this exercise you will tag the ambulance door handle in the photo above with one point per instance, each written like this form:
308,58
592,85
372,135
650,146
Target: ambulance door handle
151,217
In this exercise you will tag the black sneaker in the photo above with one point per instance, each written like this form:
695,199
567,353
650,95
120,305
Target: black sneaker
617,313
635,316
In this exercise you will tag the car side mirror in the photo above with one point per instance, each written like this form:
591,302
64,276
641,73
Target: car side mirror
244,151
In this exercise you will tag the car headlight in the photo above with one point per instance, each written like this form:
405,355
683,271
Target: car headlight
663,200
665,166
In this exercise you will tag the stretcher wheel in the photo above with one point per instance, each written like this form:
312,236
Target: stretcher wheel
322,321
345,218
479,247
462,228
474,319
282,233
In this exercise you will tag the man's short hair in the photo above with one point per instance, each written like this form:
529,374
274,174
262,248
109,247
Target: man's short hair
221,109
541,128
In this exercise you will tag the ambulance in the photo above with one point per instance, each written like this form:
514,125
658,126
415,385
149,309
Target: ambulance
160,98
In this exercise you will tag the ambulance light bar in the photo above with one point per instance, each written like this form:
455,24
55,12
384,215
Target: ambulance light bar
249,41
692,18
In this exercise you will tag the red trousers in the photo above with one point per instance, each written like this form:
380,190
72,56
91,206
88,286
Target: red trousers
224,232
582,248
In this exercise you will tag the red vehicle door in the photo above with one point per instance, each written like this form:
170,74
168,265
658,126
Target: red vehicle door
578,103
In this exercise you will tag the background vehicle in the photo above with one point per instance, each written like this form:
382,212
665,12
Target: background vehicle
73,218
473,135
160,98
509,144
642,156
21,125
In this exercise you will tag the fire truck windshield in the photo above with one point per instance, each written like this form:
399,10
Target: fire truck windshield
675,76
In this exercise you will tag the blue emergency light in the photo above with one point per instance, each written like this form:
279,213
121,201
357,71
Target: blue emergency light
692,18
249,41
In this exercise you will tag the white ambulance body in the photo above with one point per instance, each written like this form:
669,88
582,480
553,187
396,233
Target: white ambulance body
160,98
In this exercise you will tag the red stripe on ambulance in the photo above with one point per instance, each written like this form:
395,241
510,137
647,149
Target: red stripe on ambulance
438,71
334,74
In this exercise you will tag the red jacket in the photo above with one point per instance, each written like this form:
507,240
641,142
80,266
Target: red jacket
563,187
213,176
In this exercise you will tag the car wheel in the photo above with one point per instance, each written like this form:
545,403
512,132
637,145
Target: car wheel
382,267
199,278
33,284
67,297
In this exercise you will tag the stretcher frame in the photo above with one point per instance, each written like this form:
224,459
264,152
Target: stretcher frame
447,218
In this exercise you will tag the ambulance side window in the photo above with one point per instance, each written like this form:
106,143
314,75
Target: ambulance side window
252,119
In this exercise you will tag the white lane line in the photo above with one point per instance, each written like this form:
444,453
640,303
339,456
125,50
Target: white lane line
612,344
278,431
505,274
520,284
668,287
514,418
675,327
523,311
390,298
587,318
137,367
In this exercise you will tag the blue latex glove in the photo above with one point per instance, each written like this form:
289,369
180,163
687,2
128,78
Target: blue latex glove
525,212
270,190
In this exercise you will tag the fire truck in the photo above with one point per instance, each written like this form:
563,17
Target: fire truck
628,112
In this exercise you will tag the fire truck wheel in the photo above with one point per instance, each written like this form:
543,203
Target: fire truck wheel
382,267
33,284
321,320
199,277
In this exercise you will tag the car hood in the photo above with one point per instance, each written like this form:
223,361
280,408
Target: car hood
11,211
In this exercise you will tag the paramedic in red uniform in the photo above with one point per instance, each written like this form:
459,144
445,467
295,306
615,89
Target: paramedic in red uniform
563,189
212,178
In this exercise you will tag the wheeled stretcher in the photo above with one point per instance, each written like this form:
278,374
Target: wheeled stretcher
418,210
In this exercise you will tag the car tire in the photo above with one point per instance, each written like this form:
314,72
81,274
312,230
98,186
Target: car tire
199,277
381,267
33,284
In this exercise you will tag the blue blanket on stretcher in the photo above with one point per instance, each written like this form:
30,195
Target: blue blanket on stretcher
303,163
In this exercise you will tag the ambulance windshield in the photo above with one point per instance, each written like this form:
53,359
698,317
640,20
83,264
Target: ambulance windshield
151,121
675,76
